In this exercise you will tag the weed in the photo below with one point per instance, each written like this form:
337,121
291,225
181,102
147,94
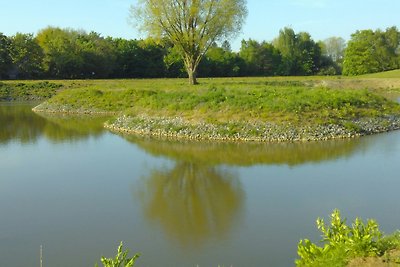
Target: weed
120,260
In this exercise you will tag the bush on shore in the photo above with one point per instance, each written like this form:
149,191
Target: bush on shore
343,244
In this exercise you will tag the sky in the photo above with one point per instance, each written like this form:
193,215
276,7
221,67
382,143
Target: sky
321,18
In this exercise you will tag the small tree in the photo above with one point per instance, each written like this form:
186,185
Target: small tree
190,25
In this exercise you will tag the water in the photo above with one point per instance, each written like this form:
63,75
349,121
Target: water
78,190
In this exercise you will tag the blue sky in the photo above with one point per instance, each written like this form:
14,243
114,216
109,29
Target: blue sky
321,18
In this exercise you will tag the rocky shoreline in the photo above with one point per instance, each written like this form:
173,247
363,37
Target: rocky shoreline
178,128
46,108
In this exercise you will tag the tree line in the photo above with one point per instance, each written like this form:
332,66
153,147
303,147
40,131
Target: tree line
72,54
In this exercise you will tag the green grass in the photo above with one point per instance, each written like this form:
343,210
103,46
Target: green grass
26,91
386,74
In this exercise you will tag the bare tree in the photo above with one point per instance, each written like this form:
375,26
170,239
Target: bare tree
334,48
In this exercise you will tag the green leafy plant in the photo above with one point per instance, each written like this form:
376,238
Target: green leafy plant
390,243
120,260
341,242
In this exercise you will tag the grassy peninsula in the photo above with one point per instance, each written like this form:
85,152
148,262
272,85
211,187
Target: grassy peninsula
245,109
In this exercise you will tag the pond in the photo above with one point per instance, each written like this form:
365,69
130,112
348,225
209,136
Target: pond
78,190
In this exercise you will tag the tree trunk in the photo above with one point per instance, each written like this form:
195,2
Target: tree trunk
192,77
191,68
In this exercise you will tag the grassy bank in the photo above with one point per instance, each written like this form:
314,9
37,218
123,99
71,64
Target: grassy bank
258,109
392,74
27,91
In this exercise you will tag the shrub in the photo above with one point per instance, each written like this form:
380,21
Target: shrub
341,242
120,260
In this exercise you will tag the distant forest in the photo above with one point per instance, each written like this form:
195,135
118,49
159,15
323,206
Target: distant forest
56,53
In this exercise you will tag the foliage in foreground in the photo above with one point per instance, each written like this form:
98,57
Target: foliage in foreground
120,260
343,243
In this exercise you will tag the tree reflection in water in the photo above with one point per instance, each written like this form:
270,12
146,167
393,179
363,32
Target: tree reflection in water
196,201
252,153
193,202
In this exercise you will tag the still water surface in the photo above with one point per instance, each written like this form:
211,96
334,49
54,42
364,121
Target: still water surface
78,190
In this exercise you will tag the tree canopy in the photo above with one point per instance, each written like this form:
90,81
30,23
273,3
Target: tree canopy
75,54
301,55
27,55
193,26
56,53
5,59
371,51
262,59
